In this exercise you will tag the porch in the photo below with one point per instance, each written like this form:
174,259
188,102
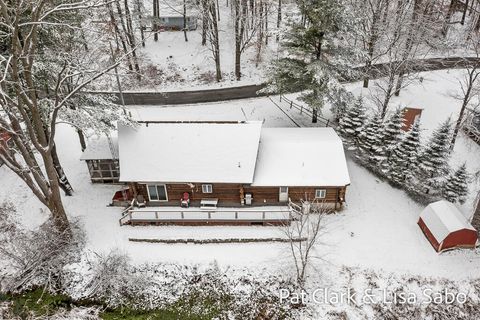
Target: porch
262,216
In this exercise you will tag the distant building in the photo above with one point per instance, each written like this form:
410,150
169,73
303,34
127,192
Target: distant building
176,23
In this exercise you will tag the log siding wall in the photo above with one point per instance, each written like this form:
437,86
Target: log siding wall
229,194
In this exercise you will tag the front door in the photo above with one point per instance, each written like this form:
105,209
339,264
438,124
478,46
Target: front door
283,194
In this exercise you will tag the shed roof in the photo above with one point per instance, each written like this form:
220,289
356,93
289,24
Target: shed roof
189,152
442,218
99,149
301,157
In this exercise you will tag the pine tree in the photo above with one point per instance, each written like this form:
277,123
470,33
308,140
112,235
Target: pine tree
433,162
393,131
456,187
315,53
351,124
370,139
402,162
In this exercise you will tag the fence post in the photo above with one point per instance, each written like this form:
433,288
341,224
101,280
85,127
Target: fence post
301,109
280,97
182,215
328,121
209,215
263,215
236,214
291,104
156,215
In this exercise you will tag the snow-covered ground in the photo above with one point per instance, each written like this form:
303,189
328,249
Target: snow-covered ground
376,231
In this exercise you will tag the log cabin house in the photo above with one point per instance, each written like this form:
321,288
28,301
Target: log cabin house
231,163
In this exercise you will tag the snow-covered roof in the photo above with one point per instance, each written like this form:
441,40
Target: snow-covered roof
442,218
189,152
99,149
300,157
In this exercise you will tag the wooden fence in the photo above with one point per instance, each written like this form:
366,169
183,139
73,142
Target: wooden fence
304,110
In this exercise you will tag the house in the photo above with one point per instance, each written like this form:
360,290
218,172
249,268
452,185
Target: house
446,228
231,163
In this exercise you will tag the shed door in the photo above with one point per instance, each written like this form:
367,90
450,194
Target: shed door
283,194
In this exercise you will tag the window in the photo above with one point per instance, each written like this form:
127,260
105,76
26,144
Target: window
157,192
283,189
320,193
207,188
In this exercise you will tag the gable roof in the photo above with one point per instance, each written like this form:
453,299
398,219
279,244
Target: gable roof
301,157
442,218
189,152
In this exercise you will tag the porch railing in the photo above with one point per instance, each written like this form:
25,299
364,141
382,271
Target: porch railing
220,214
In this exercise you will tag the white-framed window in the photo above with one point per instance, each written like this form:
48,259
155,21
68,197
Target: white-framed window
320,193
207,188
157,192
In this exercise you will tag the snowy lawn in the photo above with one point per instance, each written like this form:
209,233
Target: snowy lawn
377,230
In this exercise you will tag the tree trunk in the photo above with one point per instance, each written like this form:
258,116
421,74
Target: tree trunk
265,10
279,19
131,40
204,22
185,20
216,39
156,16
54,199
119,36
476,214
81,137
140,20
458,123
464,12
62,177
448,17
314,115
413,27
388,94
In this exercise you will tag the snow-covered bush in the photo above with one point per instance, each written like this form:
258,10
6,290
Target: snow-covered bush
351,123
456,187
35,257
433,164
402,163
114,281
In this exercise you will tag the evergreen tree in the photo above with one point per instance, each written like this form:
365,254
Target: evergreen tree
370,141
315,53
351,124
456,187
433,161
393,131
402,162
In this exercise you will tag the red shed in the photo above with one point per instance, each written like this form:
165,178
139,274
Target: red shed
446,227
410,116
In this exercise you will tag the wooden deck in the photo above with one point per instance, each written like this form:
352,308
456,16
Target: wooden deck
196,216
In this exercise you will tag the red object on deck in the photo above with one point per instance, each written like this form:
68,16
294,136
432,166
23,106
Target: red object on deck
185,201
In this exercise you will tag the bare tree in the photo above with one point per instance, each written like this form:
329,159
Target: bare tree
304,234
469,87
29,115
210,32
242,32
